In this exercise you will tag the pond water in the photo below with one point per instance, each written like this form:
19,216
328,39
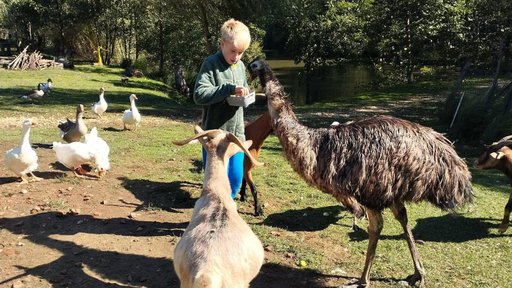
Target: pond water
327,84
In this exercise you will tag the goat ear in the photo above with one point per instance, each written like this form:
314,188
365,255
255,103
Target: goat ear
497,155
239,143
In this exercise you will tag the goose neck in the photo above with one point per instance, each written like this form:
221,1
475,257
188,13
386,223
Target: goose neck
25,135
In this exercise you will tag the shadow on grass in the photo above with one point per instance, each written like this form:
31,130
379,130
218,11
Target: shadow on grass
308,219
81,266
279,276
455,228
113,129
161,195
197,166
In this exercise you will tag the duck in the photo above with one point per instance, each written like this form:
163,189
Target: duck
46,87
131,116
34,93
22,160
101,106
73,131
103,150
75,154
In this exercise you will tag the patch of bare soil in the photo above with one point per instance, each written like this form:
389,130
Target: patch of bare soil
72,232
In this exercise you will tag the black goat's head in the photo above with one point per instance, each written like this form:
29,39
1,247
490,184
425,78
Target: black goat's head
495,155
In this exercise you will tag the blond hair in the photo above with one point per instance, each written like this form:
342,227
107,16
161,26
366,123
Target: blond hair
236,32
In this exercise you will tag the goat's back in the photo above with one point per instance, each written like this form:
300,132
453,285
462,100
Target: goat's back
218,248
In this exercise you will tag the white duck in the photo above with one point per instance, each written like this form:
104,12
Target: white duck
101,106
22,160
131,116
103,150
74,155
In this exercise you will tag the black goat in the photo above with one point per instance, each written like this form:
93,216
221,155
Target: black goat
499,156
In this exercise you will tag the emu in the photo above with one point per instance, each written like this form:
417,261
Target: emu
371,164
257,131
499,156
218,249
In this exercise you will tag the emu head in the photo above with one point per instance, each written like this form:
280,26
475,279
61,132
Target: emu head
223,144
259,69
496,155
274,91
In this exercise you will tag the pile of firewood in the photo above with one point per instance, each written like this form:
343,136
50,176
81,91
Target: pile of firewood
31,61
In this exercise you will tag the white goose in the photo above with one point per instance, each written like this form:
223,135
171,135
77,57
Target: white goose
131,116
22,160
74,155
101,106
103,150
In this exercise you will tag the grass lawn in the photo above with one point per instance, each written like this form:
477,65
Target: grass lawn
161,182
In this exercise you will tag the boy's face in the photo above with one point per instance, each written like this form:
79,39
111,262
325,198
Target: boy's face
231,53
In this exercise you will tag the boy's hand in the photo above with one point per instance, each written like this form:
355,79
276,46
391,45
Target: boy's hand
241,91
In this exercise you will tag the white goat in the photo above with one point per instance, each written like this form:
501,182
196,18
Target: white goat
218,249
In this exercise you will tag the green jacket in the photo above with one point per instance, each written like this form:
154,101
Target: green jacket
216,81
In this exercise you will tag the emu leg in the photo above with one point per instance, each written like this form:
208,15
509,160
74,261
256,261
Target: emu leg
375,224
506,216
419,273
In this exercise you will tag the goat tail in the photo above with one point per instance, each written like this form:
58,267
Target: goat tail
208,280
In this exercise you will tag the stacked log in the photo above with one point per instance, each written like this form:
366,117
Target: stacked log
31,61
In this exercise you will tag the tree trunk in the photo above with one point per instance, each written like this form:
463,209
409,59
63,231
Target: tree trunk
161,48
206,28
489,95
462,75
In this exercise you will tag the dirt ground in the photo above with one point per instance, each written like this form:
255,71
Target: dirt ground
64,232
103,237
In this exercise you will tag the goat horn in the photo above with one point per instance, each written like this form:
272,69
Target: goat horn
237,141
208,133
506,138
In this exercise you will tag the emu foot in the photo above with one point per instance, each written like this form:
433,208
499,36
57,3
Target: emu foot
243,197
503,227
412,279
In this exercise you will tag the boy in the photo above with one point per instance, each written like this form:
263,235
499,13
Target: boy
223,74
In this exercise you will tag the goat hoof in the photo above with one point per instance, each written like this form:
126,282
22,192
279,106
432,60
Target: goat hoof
258,212
503,228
